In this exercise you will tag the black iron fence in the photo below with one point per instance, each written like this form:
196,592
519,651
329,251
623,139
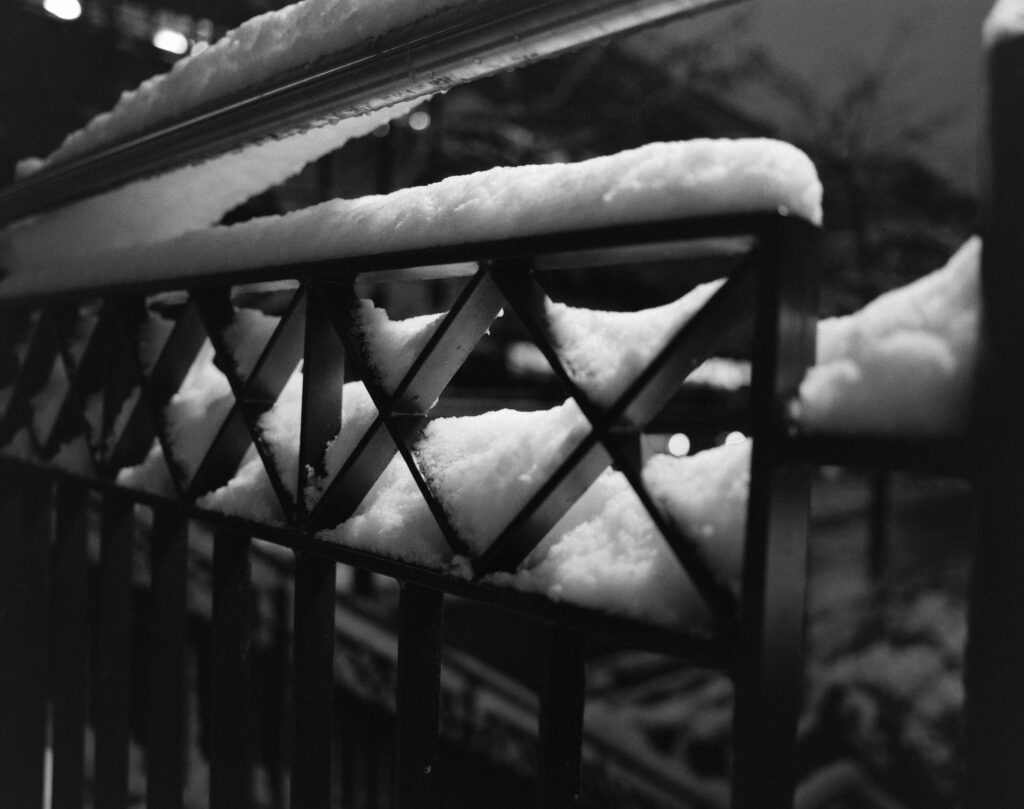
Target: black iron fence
56,515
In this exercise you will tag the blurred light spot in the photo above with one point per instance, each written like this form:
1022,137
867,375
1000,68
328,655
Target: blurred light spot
171,41
63,9
735,437
382,131
679,445
419,120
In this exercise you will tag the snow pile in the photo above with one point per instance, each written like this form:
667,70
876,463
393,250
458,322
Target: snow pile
194,416
197,411
904,364
1005,21
196,197
485,468
603,352
250,493
390,347
357,415
264,48
466,461
151,475
657,181
394,521
186,199
246,338
705,496
268,47
607,553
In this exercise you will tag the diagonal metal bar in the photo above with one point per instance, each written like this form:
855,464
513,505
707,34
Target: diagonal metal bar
255,394
718,597
448,347
350,485
398,429
222,457
158,387
168,372
545,508
444,353
728,310
85,379
526,299
122,319
16,329
35,370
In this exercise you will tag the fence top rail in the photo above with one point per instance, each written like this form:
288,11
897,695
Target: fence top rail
459,42
508,208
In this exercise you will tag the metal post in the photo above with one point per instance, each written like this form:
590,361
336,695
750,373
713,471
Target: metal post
994,735
418,698
25,540
230,745
313,682
166,706
112,702
560,721
70,669
768,669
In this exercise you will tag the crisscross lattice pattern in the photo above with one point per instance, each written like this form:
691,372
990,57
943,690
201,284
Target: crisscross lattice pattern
193,396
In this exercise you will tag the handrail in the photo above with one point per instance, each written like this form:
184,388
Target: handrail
464,43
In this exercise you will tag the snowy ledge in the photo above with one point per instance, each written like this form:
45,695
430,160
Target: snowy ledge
660,181
269,46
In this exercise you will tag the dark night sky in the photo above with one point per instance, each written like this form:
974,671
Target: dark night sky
933,49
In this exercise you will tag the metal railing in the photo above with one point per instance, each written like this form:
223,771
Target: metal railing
51,513
316,328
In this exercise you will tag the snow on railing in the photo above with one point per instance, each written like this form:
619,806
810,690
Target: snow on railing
300,413
354,471
342,68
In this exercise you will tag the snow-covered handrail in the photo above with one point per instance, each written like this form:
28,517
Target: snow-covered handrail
379,64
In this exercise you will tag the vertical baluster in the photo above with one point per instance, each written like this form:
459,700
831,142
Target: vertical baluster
560,722
768,668
230,750
167,622
313,682
25,544
112,702
349,753
70,669
418,698
994,664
